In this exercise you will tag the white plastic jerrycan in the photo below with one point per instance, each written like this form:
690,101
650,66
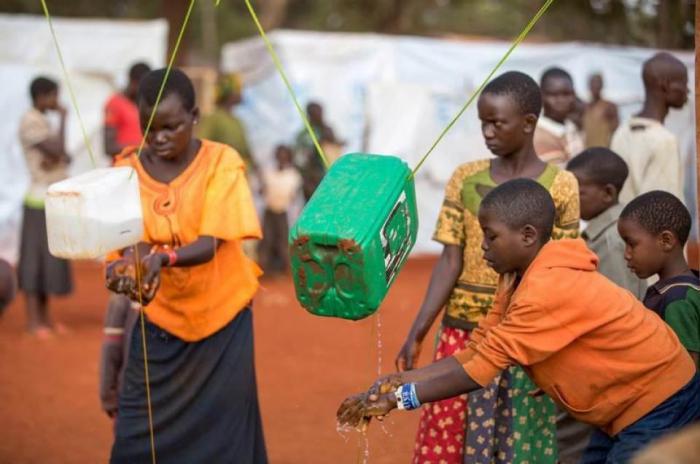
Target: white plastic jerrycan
92,214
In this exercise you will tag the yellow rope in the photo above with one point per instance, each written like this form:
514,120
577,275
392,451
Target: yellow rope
144,346
68,84
515,44
280,70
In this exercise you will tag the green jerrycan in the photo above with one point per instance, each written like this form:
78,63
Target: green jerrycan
354,235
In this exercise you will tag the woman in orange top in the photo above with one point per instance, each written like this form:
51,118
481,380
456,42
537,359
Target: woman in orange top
197,285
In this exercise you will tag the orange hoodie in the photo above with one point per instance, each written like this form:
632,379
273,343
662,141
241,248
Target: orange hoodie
584,341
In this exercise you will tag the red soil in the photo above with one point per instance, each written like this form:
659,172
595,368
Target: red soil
49,408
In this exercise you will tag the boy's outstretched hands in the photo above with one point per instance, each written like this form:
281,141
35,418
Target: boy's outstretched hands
352,411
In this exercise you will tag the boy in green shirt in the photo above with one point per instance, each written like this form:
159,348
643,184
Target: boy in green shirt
655,227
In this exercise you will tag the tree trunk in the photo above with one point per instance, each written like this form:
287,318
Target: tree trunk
665,17
174,12
273,13
394,21
210,32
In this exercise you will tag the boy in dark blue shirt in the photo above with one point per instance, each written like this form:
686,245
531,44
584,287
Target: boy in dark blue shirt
655,227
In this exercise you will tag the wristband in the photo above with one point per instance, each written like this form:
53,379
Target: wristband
399,399
172,257
406,397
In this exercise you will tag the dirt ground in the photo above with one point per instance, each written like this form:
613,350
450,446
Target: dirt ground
49,408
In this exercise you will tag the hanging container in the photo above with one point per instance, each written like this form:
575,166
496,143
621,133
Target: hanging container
354,235
89,215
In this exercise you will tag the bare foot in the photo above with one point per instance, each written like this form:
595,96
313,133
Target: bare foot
60,329
42,333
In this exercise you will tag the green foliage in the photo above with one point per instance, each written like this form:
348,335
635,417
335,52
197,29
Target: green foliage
628,22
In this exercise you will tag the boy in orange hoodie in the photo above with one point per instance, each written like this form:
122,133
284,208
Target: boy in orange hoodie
584,341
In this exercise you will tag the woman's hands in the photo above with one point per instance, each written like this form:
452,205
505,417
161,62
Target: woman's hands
151,265
124,277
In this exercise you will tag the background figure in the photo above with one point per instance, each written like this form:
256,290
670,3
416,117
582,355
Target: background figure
576,116
649,149
601,173
557,138
41,274
280,187
8,285
222,125
122,127
308,161
120,320
600,118
655,226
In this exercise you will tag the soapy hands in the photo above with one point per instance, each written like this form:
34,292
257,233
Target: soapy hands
123,277
357,410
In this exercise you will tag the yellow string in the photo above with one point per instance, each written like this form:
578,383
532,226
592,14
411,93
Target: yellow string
144,346
513,46
280,70
68,84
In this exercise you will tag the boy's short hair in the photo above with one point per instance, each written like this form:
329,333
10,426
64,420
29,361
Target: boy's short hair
520,202
137,71
519,86
657,211
178,83
42,86
554,72
601,165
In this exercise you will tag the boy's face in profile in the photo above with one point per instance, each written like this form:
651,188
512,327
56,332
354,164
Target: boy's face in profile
593,197
558,98
677,89
504,126
644,252
505,249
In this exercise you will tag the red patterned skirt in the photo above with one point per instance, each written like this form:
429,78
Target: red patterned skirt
443,424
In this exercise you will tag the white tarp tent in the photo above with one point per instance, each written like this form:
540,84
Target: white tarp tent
98,54
393,95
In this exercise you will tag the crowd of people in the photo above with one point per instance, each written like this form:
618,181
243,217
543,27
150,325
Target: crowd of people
555,344
553,348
